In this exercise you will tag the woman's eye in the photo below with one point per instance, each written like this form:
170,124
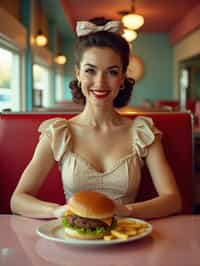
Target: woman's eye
90,71
113,72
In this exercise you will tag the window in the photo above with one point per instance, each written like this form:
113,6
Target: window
41,86
184,78
9,79
59,87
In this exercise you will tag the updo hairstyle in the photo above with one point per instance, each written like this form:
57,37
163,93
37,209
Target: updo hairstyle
103,39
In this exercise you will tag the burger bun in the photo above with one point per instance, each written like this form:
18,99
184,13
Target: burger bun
91,204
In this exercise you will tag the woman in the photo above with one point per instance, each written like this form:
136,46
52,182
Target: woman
100,149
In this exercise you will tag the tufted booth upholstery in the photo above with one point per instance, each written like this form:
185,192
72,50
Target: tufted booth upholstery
19,135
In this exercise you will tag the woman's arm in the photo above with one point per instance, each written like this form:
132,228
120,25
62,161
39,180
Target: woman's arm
169,199
160,206
23,200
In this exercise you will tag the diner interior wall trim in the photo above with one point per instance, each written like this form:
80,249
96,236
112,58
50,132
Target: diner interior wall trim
187,25
12,29
67,91
68,50
12,7
187,48
39,20
156,53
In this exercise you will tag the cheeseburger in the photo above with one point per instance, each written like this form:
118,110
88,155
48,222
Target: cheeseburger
89,215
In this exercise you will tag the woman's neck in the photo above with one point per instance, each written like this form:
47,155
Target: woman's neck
99,118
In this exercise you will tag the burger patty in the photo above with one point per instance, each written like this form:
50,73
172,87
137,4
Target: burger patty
85,222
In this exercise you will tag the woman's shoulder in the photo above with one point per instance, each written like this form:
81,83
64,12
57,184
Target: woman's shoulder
137,122
52,123
146,125
57,133
143,120
144,134
74,120
76,124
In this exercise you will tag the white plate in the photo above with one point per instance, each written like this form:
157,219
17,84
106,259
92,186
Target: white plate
54,231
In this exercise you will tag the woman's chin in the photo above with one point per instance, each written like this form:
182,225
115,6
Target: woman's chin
102,105
102,102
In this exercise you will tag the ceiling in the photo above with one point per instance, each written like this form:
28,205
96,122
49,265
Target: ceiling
55,13
159,15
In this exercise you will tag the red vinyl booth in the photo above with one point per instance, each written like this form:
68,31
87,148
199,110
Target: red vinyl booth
19,135
175,104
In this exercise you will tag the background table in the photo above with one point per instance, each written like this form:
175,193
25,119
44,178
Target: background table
174,241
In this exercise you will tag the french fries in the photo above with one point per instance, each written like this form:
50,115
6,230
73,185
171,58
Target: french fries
126,228
118,234
109,237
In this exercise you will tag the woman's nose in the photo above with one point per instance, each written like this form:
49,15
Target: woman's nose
100,80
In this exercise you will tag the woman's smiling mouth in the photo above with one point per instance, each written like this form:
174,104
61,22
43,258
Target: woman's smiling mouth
100,93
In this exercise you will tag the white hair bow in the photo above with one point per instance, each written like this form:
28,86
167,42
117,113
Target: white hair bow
85,27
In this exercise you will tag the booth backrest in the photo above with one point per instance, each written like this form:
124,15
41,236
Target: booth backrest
19,135
175,104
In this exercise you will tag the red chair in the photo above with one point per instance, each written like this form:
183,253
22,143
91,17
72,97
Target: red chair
19,135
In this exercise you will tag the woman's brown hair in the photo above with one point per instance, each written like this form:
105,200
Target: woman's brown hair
109,40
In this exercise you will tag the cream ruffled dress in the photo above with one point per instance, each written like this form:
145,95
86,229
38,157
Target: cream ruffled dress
120,182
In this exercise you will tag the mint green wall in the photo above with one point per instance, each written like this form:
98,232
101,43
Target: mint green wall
67,48
67,91
52,33
157,56
55,13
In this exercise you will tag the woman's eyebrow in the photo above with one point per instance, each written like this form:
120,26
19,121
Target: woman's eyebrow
90,65
110,67
114,66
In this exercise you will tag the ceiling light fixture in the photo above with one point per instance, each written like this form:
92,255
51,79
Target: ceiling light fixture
129,35
40,39
60,59
132,20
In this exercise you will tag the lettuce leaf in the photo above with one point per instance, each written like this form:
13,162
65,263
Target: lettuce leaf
93,231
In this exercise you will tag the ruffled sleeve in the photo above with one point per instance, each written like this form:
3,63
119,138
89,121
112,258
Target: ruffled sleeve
57,132
144,133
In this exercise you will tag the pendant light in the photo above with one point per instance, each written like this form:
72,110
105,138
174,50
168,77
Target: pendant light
131,20
60,59
129,35
40,38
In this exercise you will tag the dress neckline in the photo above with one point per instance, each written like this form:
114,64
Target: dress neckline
89,165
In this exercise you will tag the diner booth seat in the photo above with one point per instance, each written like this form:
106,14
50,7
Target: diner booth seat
63,106
175,104
19,136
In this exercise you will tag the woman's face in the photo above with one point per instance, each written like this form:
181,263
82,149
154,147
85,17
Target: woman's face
101,75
